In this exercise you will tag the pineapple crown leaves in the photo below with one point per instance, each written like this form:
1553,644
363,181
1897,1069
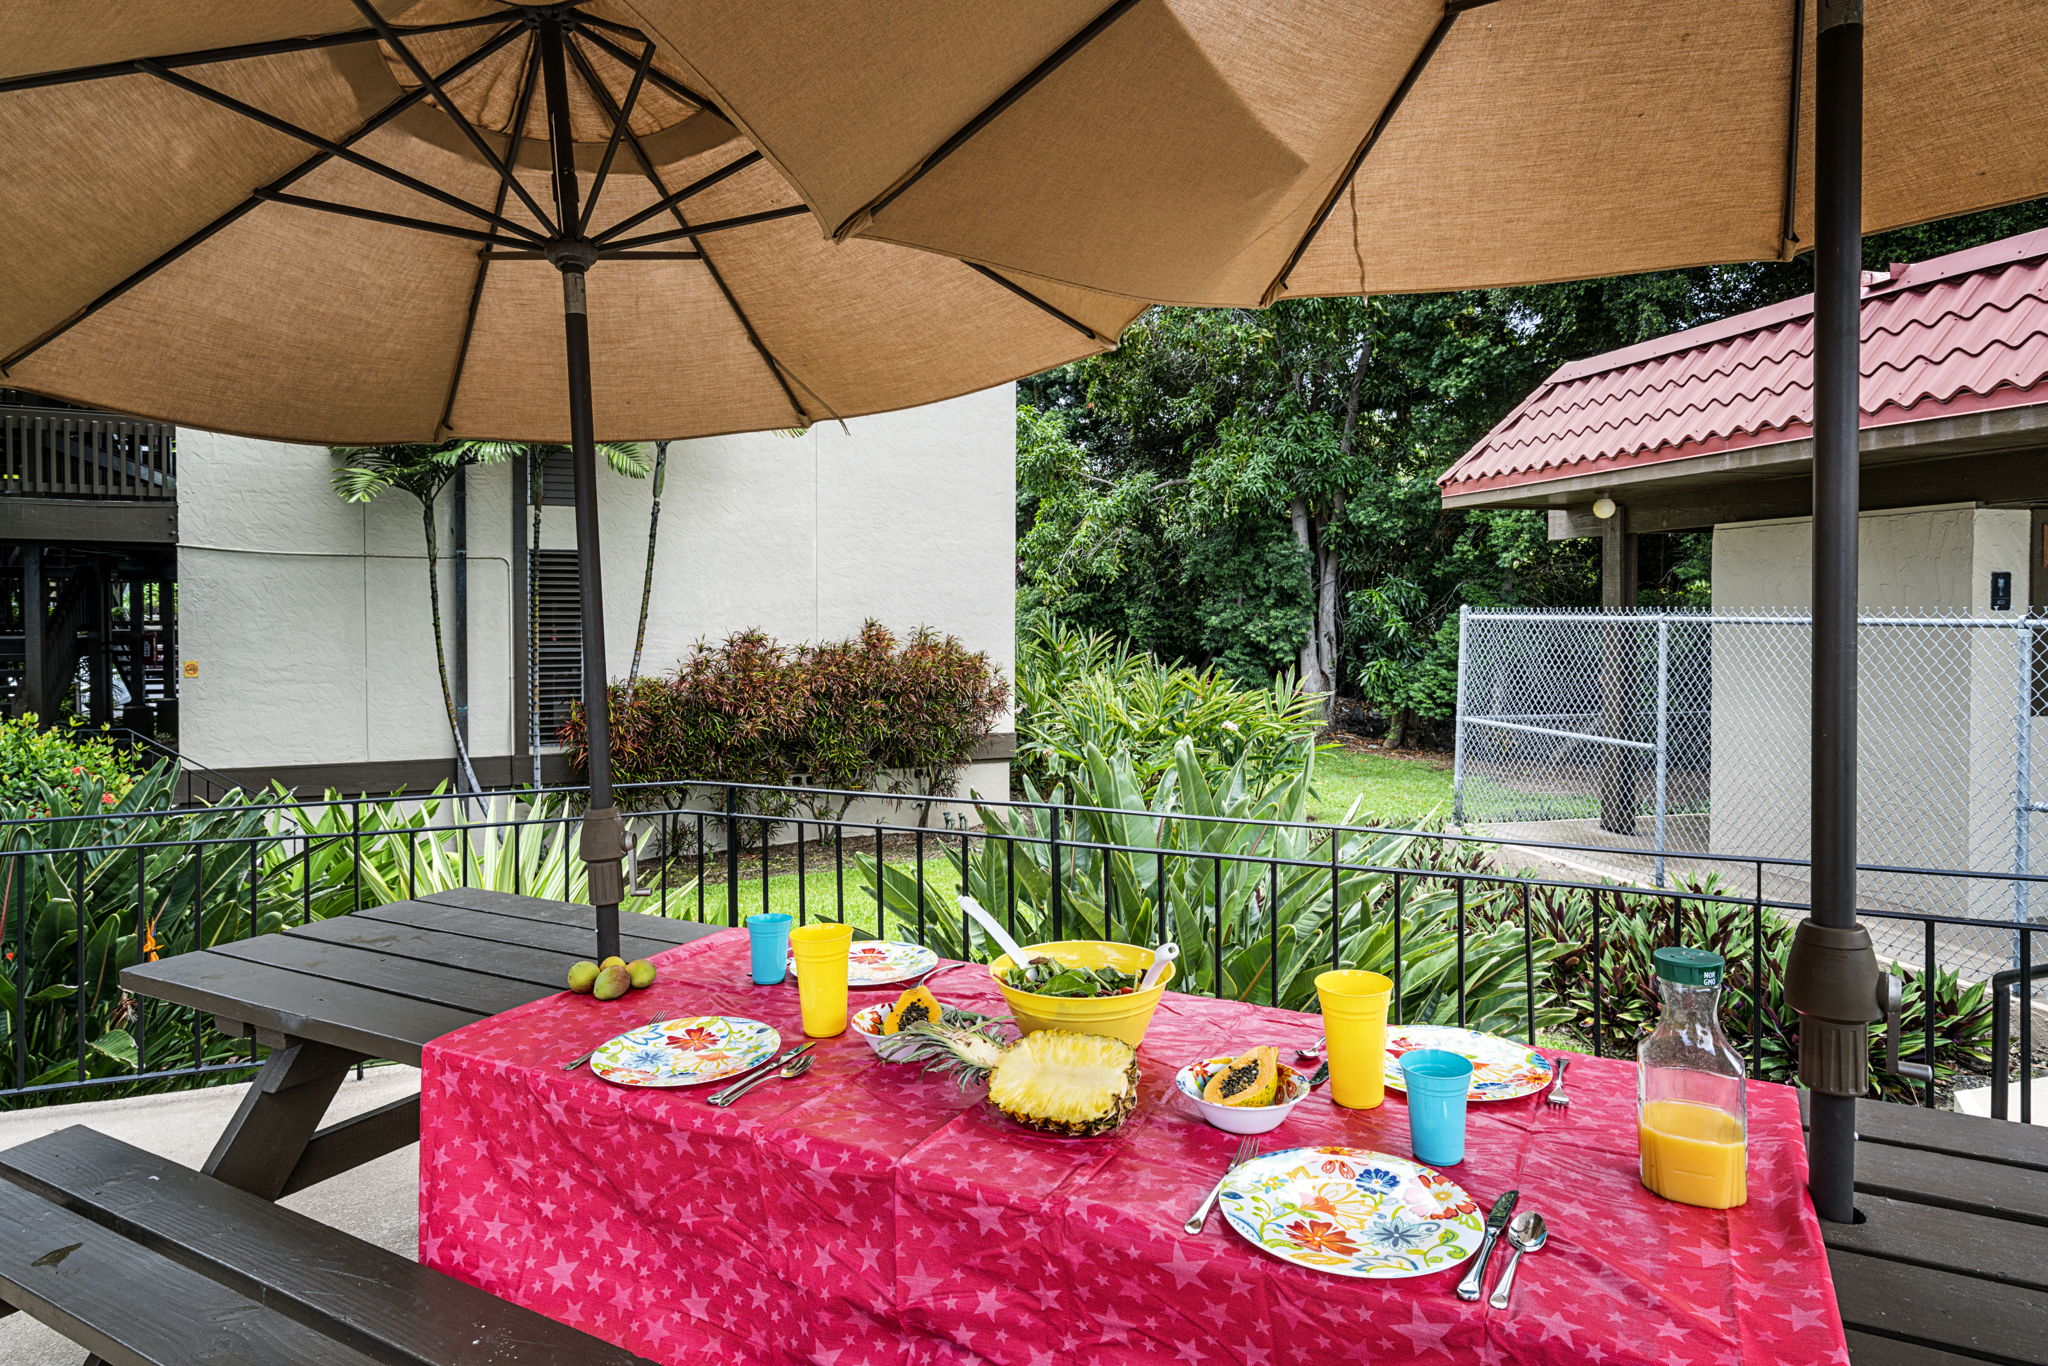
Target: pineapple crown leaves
969,1052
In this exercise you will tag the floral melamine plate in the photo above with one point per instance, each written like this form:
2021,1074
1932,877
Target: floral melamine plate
878,962
1351,1212
1501,1068
685,1052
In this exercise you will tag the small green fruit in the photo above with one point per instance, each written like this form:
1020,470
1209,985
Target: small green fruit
613,962
640,972
612,983
582,976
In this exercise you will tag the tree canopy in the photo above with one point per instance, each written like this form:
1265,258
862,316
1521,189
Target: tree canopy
1228,485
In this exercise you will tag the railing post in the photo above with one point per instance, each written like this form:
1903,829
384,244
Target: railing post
2023,780
1458,721
732,856
1053,861
1663,733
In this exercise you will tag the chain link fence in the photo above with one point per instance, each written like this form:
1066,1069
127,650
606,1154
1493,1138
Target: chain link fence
1675,744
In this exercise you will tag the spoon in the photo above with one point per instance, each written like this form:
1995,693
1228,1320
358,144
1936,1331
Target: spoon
1528,1233
797,1067
1161,956
994,929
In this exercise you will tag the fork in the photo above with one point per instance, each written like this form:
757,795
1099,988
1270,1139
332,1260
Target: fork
1555,1095
576,1062
1247,1149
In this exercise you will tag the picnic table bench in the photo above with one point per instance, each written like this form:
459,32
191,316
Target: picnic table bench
147,1263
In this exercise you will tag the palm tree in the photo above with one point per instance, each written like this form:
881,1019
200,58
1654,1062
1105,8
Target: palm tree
647,576
423,471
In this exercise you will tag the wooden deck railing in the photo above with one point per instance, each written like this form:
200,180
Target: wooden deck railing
67,453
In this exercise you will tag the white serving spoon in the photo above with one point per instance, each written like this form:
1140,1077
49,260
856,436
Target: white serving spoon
994,928
1161,956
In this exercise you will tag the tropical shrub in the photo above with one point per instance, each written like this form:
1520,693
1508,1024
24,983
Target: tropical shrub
1077,689
42,769
1605,978
1251,905
873,713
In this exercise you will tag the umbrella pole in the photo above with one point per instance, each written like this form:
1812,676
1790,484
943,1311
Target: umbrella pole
1832,977
603,842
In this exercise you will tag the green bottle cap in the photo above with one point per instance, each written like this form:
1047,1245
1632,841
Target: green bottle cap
1689,967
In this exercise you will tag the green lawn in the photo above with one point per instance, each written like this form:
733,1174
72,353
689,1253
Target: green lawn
1389,791
821,893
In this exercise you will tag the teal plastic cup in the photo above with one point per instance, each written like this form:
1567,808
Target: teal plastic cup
768,944
1437,1082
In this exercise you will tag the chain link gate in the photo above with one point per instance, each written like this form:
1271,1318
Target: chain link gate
1660,737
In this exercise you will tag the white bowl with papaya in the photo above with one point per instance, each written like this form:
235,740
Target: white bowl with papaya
1250,1092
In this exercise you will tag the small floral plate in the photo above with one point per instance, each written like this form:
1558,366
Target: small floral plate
685,1052
878,962
1501,1068
1352,1212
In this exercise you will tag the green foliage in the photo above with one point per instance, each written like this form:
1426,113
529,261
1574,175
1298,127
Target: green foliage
1160,485
43,770
873,713
1250,905
1078,690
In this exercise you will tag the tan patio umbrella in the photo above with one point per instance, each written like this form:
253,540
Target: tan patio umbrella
1230,152
302,219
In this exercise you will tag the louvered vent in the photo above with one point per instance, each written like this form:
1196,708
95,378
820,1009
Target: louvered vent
557,480
558,631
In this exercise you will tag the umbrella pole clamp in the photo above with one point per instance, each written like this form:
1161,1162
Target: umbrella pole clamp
1834,984
606,849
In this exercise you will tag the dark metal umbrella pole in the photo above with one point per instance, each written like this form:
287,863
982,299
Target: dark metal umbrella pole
1832,977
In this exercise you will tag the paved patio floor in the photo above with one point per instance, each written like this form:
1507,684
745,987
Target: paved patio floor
378,1202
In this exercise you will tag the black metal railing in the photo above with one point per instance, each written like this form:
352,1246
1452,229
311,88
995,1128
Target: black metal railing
1258,905
73,453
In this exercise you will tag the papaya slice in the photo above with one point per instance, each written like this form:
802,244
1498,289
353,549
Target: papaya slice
1252,1078
915,1006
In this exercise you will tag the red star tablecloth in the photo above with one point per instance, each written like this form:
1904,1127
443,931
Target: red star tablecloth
868,1215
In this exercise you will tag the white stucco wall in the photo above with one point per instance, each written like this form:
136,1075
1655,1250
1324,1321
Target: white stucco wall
308,618
1937,707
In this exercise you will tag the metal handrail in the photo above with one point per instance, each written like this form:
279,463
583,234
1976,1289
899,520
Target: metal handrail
2002,984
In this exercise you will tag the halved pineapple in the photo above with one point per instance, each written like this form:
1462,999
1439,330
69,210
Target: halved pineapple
1074,1085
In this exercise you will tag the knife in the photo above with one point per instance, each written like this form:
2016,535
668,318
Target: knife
1497,1220
760,1068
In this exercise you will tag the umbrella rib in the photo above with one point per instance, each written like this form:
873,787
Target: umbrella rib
1372,136
660,78
669,201
715,225
996,107
522,107
1030,298
235,214
455,115
653,174
1788,223
619,115
335,149
211,56
398,220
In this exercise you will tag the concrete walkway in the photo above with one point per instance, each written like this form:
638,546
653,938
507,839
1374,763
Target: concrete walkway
378,1202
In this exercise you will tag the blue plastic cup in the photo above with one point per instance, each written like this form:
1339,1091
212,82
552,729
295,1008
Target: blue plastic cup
1437,1082
768,939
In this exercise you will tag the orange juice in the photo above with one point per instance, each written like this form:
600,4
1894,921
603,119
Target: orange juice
1694,1154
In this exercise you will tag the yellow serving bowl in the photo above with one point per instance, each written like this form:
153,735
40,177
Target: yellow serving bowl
1120,1017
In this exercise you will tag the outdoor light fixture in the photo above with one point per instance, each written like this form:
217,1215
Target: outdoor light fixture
1603,508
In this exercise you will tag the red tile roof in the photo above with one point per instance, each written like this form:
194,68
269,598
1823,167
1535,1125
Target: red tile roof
1956,334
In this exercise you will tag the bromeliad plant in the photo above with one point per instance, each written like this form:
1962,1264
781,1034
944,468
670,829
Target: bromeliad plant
1252,906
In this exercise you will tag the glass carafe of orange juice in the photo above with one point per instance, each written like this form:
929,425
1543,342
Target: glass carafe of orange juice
1691,1117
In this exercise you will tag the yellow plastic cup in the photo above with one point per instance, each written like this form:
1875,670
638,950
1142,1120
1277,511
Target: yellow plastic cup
821,952
1119,1017
1355,1019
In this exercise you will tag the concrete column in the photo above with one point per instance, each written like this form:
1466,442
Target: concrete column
1618,767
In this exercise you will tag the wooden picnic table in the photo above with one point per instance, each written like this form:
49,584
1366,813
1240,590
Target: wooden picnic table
376,984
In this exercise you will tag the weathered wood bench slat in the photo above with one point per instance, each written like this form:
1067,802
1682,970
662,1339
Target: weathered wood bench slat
1867,1349
1904,1231
339,1289
131,1306
1921,1177
506,929
438,983
375,1023
1940,1309
570,913
1944,1131
514,962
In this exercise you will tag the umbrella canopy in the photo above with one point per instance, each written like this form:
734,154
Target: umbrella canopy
218,214
1229,152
